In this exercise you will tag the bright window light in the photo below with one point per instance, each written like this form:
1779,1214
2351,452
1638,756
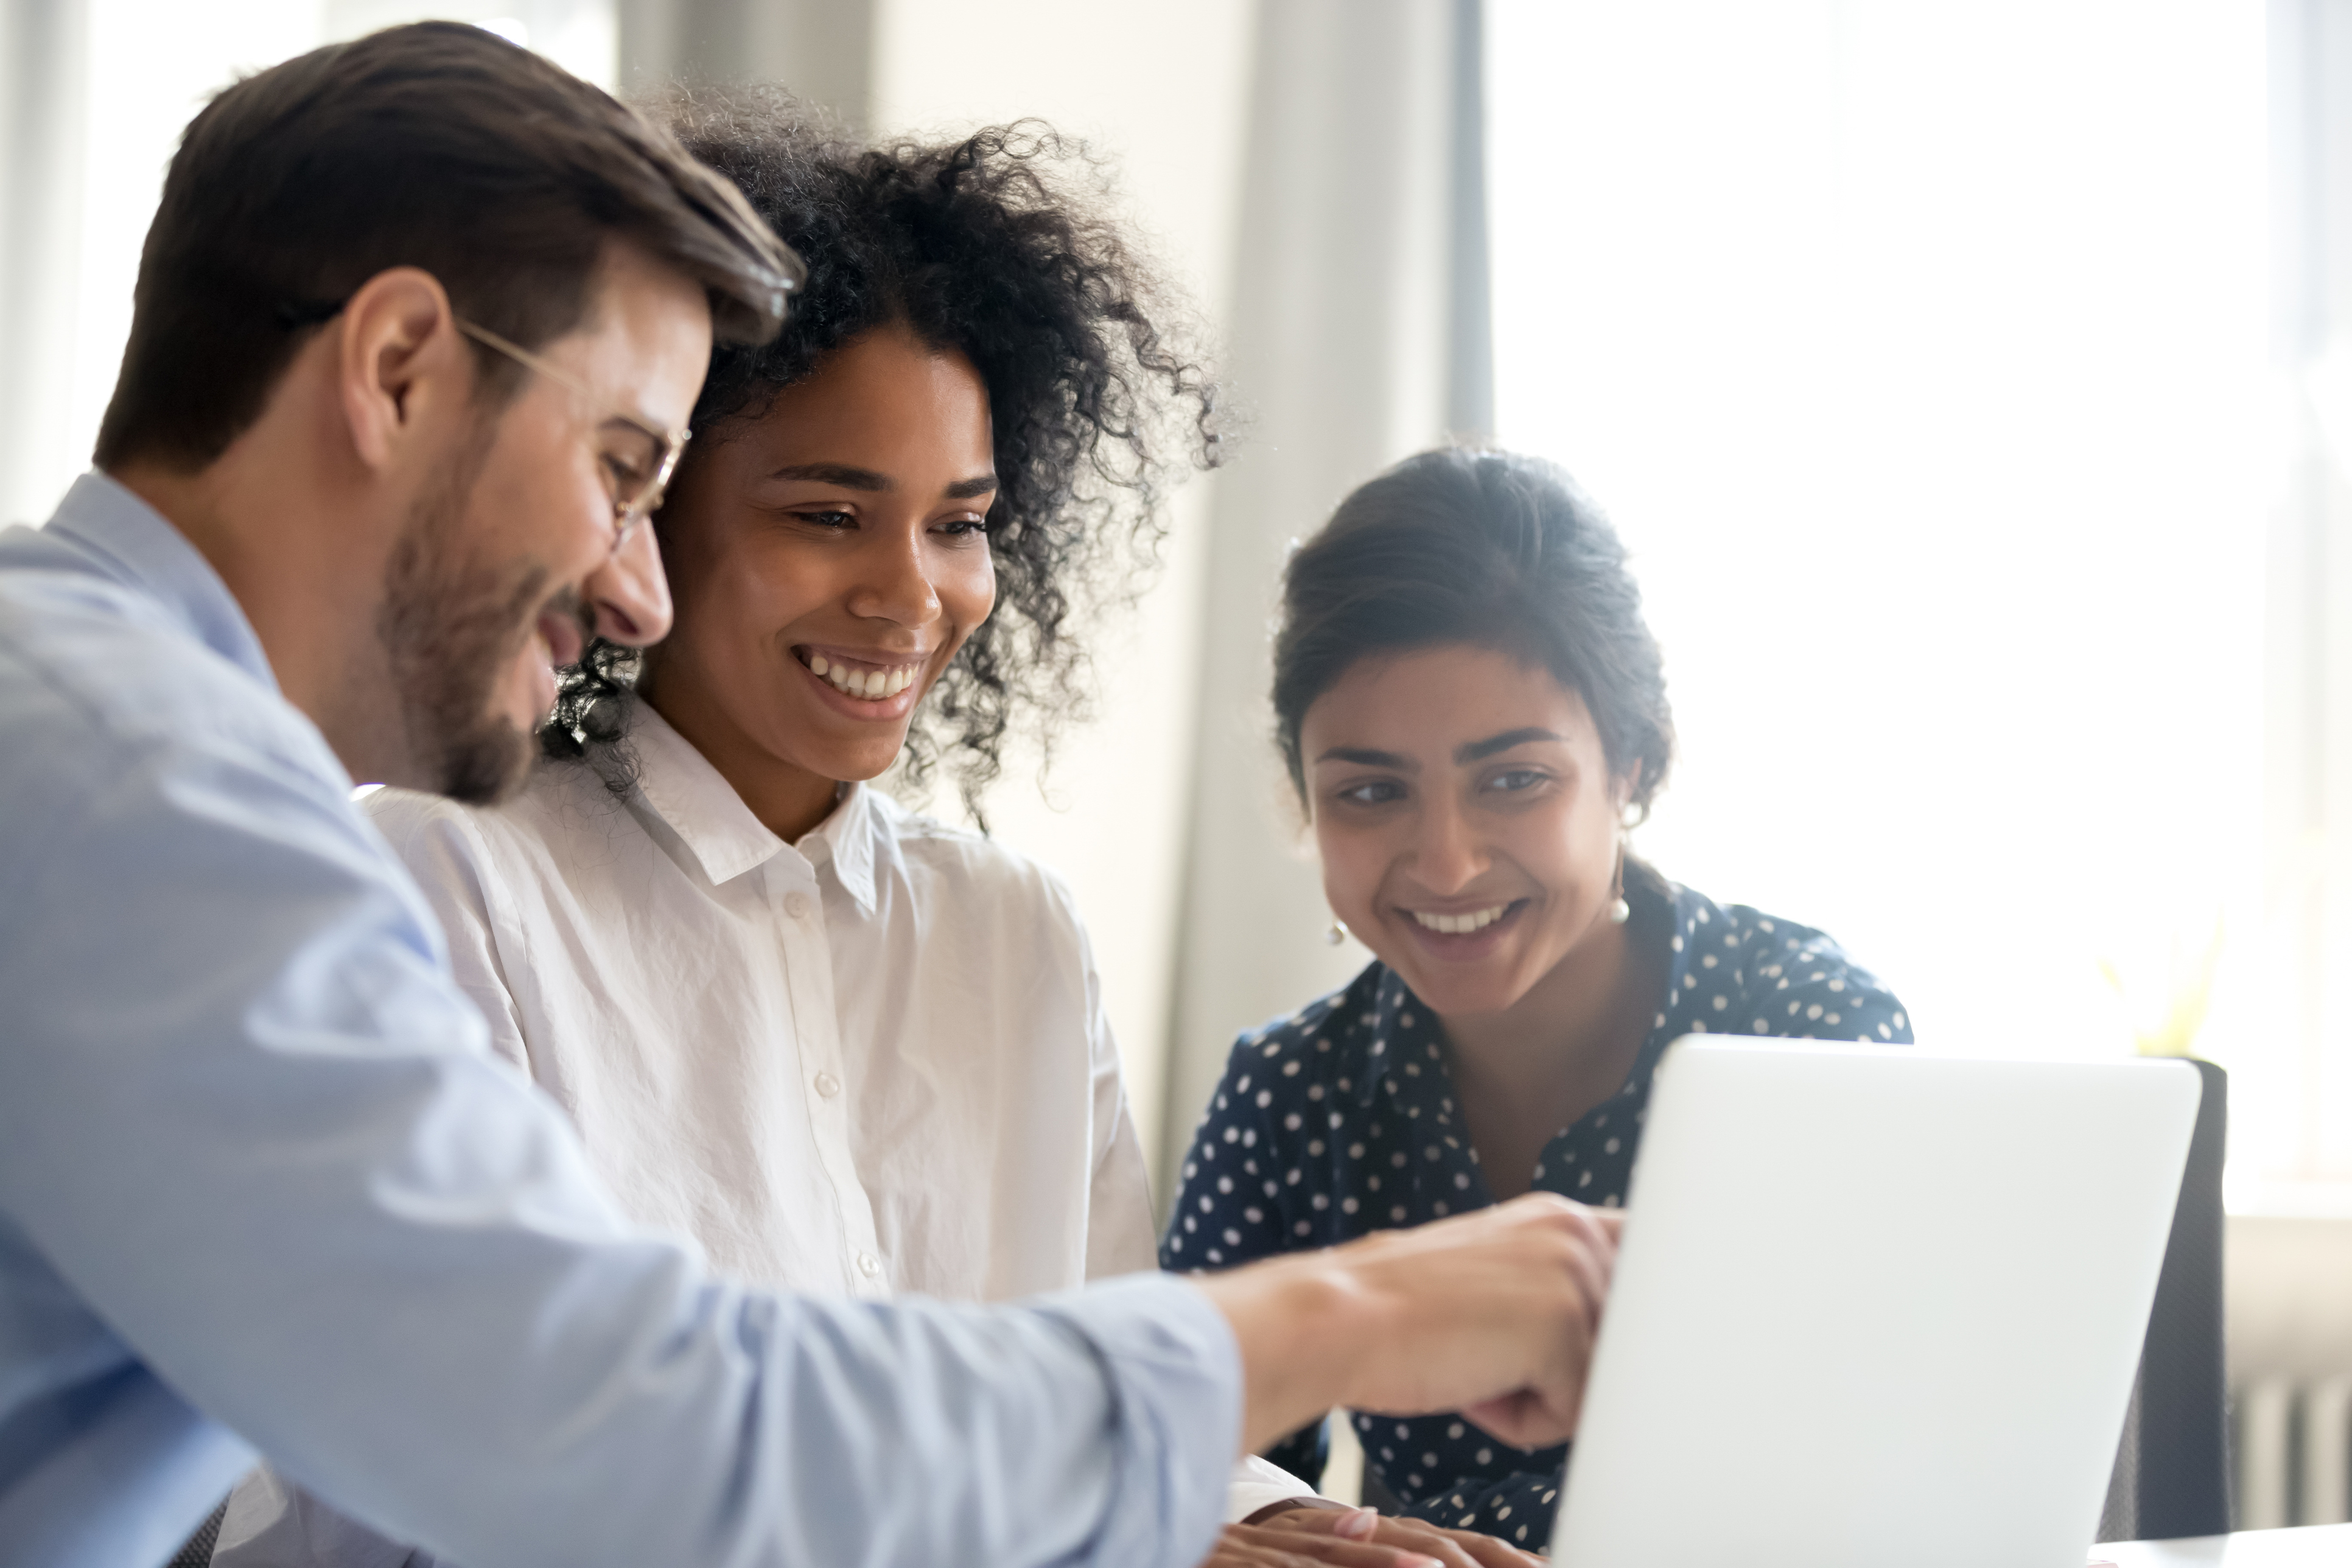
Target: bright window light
1919,353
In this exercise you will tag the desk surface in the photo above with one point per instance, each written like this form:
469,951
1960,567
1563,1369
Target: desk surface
2327,1543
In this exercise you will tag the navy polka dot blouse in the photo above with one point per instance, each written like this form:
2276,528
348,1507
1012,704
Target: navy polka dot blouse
1341,1120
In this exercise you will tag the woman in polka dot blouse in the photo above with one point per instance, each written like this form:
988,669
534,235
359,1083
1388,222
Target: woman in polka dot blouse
1474,713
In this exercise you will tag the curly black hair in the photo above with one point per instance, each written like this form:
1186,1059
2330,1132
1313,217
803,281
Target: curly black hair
994,246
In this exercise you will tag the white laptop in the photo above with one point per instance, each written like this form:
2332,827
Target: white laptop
1875,1307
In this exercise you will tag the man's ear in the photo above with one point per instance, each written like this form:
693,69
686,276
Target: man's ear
401,358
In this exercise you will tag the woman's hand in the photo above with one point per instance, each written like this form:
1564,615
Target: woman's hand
1358,1538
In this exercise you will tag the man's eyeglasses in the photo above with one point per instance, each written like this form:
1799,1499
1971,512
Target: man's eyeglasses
638,458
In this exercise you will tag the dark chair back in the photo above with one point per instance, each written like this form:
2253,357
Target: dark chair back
2172,1470
196,1551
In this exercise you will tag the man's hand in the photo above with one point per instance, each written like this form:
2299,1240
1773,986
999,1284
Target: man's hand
1358,1538
1492,1314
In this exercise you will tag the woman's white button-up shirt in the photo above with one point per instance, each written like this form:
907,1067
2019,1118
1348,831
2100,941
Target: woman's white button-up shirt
874,1060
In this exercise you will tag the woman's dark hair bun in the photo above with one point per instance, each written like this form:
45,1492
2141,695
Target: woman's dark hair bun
1491,549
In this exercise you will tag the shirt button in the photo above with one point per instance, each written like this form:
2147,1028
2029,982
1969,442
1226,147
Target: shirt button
868,1265
827,1085
797,907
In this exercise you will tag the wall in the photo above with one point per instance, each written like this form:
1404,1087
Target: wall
2290,1296
1160,93
93,97
1346,274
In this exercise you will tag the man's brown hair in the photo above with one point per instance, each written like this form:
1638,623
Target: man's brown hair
438,146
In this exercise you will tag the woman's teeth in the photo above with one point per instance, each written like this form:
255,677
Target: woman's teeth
872,685
1459,925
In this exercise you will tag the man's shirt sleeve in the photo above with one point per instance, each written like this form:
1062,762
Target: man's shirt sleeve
247,1122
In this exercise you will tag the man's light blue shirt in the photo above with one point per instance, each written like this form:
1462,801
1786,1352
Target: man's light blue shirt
263,1189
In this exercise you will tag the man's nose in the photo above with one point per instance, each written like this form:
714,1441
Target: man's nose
629,595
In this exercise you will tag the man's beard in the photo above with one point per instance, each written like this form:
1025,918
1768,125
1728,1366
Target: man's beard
450,630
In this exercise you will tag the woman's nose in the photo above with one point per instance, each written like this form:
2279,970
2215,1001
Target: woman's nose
1446,857
895,581
629,595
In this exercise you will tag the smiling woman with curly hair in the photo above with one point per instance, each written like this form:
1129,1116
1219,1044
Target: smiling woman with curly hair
850,1049
988,251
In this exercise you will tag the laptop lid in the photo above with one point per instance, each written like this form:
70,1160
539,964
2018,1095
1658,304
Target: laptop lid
1875,1305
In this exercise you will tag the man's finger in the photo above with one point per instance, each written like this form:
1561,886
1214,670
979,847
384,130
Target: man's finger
1591,1276
1530,1418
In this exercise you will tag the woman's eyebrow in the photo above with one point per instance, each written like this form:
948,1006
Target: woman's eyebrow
843,474
978,485
1476,750
1369,759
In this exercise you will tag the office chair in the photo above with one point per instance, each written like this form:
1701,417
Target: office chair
2172,1470
197,1551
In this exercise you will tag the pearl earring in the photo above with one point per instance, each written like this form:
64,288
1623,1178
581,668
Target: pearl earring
1620,911
1337,933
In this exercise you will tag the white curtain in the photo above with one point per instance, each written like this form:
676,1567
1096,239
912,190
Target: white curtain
1357,337
43,137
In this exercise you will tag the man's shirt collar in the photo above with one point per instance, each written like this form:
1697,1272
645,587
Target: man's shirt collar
134,544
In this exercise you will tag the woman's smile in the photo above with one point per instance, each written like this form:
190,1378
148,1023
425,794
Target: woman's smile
875,685
1464,934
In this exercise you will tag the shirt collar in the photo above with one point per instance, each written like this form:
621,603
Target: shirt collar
847,836
1390,1041
135,545
727,840
700,806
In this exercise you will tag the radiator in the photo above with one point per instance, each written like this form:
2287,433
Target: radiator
2291,1444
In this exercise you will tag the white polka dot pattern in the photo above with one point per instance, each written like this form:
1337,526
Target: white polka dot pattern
1353,1091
